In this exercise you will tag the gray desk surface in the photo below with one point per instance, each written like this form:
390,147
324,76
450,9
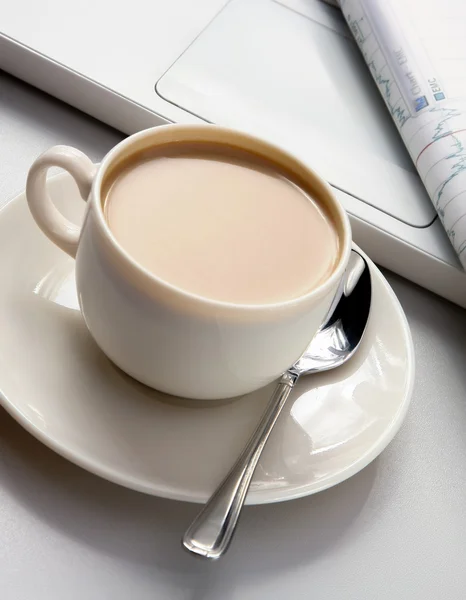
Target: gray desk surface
396,530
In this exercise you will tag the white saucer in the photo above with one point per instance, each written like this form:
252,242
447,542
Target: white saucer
60,387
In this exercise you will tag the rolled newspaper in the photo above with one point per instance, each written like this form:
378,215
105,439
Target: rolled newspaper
431,120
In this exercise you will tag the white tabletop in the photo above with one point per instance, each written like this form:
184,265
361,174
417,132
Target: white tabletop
395,530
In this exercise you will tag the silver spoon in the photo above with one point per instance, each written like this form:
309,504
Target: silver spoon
334,344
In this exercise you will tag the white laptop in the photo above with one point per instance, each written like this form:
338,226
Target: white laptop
286,70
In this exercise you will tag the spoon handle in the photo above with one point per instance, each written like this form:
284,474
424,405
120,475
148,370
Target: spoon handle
212,530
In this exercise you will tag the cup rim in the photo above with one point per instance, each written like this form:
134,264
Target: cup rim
188,132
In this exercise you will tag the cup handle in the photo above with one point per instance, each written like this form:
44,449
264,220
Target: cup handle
56,227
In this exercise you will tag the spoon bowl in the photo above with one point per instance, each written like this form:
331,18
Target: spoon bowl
340,335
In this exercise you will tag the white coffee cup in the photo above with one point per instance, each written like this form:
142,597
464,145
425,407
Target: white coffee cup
165,337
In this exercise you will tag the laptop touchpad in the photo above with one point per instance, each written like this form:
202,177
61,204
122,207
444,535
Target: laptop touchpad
295,77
